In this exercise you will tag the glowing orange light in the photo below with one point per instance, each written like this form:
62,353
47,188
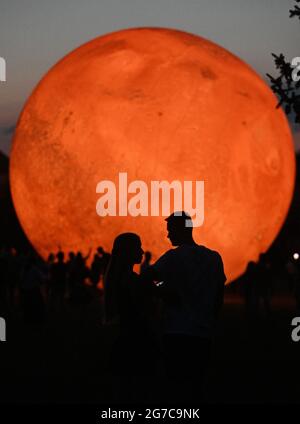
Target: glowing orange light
158,104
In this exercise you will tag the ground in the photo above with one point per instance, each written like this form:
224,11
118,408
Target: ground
254,359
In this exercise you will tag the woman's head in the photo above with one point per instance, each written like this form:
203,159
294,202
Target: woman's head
128,248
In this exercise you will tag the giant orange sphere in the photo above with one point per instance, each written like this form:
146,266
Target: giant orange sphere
157,104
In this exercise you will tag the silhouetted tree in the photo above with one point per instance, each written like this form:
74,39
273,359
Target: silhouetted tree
295,11
283,85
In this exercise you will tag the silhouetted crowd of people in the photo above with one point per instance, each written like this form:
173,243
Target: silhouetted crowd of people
258,284
35,285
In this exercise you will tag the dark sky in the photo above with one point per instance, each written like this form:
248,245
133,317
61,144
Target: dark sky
35,34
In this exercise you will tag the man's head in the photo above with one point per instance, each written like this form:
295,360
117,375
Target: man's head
180,228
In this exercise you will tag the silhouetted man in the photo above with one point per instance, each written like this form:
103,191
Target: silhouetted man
192,285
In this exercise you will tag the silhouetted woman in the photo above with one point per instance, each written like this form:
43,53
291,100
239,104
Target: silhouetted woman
128,302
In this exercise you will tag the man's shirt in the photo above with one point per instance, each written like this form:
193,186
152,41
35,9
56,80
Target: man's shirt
196,276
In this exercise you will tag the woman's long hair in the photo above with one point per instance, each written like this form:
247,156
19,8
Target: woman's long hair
120,264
